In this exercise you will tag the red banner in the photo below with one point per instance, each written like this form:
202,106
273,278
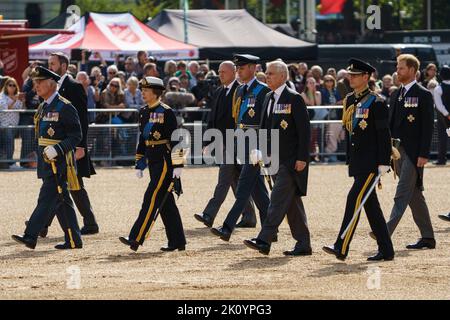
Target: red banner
14,55
331,6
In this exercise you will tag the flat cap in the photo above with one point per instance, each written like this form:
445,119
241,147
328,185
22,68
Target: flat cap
243,59
41,73
152,82
356,66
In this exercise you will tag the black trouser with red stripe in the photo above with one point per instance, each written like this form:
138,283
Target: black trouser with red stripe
374,214
161,177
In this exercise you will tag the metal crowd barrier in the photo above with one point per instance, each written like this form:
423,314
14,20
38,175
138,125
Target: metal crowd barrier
114,144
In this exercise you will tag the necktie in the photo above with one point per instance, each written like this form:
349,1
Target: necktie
402,93
244,90
271,104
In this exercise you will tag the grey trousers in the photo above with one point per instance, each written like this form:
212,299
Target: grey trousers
409,194
285,201
228,176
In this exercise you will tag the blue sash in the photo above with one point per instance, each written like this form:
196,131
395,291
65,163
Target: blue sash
244,105
365,105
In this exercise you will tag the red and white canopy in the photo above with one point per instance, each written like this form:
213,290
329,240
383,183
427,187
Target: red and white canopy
110,34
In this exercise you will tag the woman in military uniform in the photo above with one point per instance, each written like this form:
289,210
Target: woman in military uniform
156,123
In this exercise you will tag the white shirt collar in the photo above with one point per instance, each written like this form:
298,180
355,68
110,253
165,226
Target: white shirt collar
51,98
61,80
250,82
228,87
279,91
446,81
409,85
276,96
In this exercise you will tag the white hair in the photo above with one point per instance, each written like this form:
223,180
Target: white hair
229,64
112,67
193,63
280,67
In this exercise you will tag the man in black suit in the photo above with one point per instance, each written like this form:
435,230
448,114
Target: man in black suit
365,118
247,111
221,118
411,121
75,93
285,111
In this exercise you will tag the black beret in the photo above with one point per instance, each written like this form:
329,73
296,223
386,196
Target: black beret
243,59
41,73
356,66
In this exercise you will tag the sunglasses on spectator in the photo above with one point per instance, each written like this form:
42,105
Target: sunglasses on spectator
11,85
114,85
328,80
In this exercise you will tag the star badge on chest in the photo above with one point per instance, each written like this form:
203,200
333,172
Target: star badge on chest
51,132
284,124
156,135
363,124
411,118
251,113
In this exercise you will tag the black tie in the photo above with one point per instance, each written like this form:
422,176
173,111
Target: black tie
270,108
402,93
244,90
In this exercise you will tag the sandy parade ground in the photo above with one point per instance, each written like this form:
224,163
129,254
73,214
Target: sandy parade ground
211,268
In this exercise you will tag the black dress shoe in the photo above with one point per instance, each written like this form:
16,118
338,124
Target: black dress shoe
133,244
298,252
88,230
440,163
168,249
43,233
26,240
379,257
68,246
258,245
428,243
333,251
445,217
206,220
221,232
246,224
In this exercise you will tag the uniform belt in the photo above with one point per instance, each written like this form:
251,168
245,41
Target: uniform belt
248,126
155,143
44,142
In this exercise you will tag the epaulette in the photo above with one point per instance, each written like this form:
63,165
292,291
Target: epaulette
378,97
64,99
165,106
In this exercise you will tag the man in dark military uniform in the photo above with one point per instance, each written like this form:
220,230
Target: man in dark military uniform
368,156
411,120
58,132
247,111
157,122
285,111
221,118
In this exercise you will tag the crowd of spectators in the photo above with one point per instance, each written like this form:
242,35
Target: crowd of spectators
188,84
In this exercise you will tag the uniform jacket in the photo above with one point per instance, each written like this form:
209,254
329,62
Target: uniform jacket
57,124
247,108
290,117
369,142
156,125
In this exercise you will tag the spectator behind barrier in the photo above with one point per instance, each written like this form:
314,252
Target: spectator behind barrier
10,99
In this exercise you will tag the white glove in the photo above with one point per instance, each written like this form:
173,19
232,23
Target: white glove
383,169
177,172
255,156
139,173
50,152
448,132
